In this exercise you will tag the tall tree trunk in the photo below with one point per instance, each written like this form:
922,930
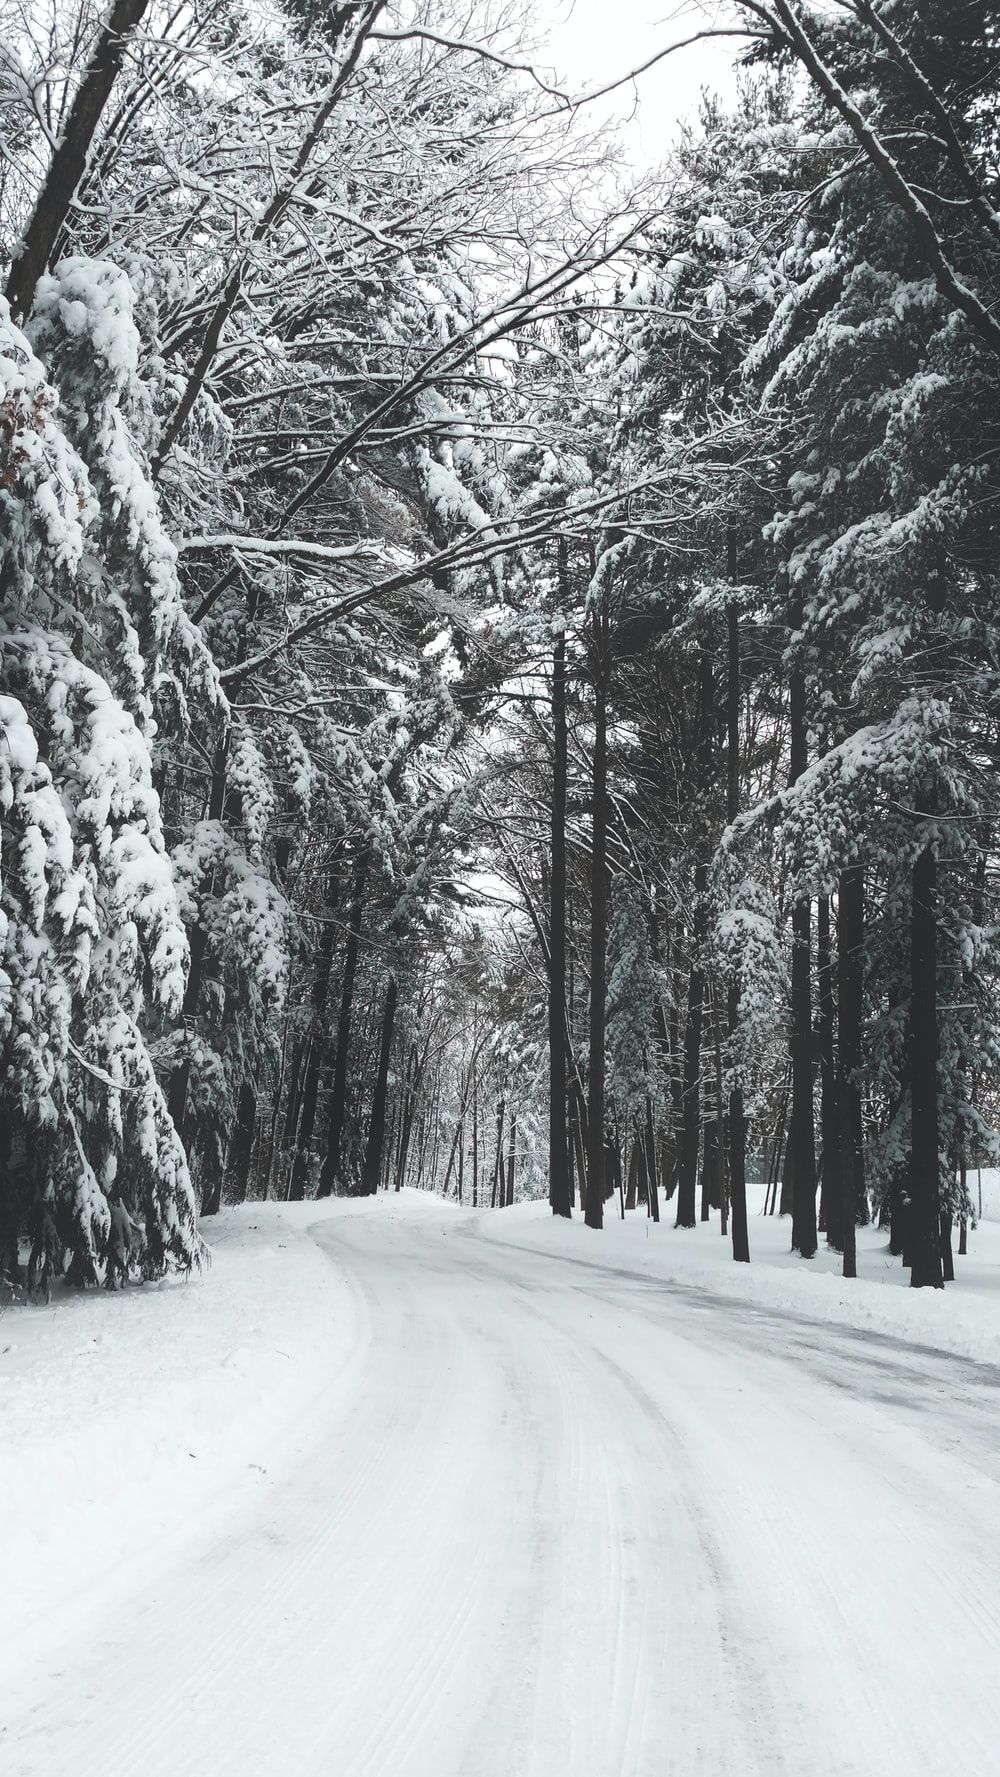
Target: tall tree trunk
850,984
69,157
691,1127
338,1090
376,1128
511,1150
632,1187
319,1049
925,1212
495,1189
832,1192
198,942
653,1196
475,1141
559,1195
803,1137
240,1151
594,1214
737,1116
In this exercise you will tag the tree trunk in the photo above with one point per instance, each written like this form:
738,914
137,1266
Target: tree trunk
69,157
711,1180
737,1116
691,1102
240,1150
338,1090
559,1196
498,1162
594,1214
832,1192
653,1195
803,1138
318,1052
924,1212
198,943
850,984
511,1146
633,1174
475,1142
376,1128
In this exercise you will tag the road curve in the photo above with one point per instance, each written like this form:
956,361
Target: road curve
559,1521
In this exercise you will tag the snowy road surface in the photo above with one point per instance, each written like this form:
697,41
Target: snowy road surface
555,1520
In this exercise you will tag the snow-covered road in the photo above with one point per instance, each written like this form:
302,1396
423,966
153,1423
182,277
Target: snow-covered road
559,1521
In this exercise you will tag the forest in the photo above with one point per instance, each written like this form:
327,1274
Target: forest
500,652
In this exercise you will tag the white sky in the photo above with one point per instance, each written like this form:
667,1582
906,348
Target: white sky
593,41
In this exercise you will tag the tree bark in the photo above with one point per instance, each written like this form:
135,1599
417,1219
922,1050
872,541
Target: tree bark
495,1190
850,995
803,1138
318,1050
737,1131
372,1168
338,1089
924,1212
691,1102
832,1192
652,1191
511,1149
594,1213
240,1152
559,1193
69,158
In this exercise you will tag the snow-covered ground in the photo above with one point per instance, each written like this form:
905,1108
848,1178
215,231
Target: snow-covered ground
402,1491
964,1318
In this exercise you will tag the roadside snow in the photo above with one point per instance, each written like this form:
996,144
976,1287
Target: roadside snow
135,1422
963,1319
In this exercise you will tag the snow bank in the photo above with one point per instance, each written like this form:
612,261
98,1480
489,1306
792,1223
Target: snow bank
963,1319
136,1421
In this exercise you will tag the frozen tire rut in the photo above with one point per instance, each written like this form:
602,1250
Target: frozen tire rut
552,1521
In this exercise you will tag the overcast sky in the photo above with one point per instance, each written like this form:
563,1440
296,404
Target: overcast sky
592,41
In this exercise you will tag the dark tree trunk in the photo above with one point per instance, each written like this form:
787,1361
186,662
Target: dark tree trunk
653,1195
737,1117
496,1190
69,158
850,994
594,1213
198,943
670,1168
832,1194
924,1212
897,1213
179,1079
240,1151
803,1137
947,1256
475,1142
711,1170
372,1169
786,1205
632,1188
511,1149
687,1175
338,1090
302,1152
559,1193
